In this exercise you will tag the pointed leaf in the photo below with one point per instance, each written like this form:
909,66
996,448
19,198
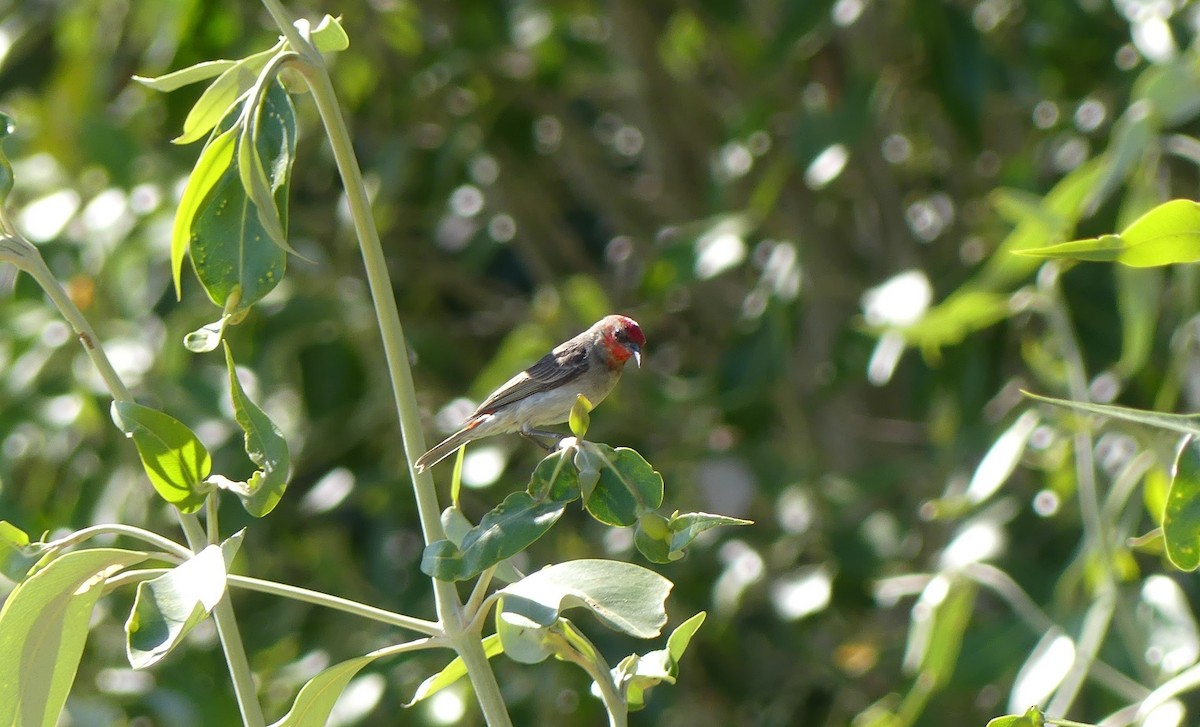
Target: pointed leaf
651,669
1103,249
1182,423
503,532
174,459
185,76
1033,717
232,252
628,486
210,168
166,608
1181,517
1001,459
454,671
687,526
17,553
623,596
265,446
317,698
43,627
219,98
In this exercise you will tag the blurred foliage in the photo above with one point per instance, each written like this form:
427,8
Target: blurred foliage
788,196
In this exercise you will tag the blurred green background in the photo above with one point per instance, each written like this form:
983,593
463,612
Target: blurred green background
781,193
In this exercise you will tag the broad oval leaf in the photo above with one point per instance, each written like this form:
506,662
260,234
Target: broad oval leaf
628,486
43,627
523,644
329,36
166,608
454,671
231,250
555,478
625,597
265,446
503,532
1181,516
174,458
579,419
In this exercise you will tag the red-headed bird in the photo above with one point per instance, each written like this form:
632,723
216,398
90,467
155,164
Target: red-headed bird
544,393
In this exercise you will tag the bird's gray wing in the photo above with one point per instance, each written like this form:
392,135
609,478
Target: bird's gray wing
552,370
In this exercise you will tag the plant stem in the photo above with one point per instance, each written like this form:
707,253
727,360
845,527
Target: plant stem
25,255
158,541
446,598
230,636
211,503
317,598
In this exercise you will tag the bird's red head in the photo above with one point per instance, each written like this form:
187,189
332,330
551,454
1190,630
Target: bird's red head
622,338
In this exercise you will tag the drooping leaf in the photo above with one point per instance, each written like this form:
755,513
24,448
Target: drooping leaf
265,446
43,627
232,252
17,553
503,532
456,525
219,98
1001,459
186,76
454,671
166,608
1181,516
623,596
174,458
628,486
211,166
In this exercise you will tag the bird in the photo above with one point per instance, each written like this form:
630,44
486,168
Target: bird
543,394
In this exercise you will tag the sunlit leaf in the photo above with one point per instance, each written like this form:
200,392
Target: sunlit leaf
167,608
628,486
232,252
329,36
623,596
218,99
210,168
686,527
186,76
1166,235
43,627
1181,517
523,643
318,696
1182,423
651,669
503,532
265,446
1044,669
174,458
454,671
579,419
1001,459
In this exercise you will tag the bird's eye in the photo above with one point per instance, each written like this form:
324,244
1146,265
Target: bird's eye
623,335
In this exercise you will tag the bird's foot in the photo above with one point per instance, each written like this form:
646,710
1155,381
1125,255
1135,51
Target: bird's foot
538,437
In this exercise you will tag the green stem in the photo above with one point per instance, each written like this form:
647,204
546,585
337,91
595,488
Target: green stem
230,636
158,541
211,522
317,598
478,593
26,256
446,598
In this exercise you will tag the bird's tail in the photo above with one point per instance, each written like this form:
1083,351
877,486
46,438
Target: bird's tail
445,448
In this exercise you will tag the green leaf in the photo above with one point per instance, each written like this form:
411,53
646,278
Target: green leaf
1181,518
625,597
261,189
17,553
1182,423
1001,459
454,671
940,618
174,459
232,252
220,98
578,419
265,446
43,627
952,320
329,36
649,670
166,608
317,697
210,168
628,486
524,644
502,533
1132,134
1033,717
1166,235
185,76
554,478
653,538
207,337
456,525
7,178
686,527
